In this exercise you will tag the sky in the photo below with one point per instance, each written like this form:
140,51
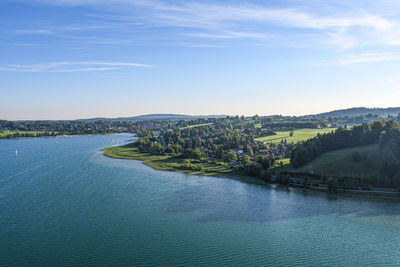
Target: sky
70,59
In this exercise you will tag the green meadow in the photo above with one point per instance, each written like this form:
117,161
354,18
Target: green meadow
167,162
339,162
298,135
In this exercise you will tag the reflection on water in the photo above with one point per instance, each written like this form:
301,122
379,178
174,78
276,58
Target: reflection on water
255,203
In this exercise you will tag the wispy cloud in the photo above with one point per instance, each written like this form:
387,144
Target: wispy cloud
344,28
200,14
328,24
65,33
35,31
79,66
229,35
359,59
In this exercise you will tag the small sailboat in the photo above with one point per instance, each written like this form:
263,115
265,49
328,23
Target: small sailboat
16,152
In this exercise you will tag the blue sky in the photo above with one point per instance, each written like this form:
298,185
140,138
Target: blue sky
68,59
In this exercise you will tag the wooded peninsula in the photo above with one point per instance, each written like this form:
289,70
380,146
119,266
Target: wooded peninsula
337,151
330,154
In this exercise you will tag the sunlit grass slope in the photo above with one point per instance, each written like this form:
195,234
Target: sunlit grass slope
341,162
299,135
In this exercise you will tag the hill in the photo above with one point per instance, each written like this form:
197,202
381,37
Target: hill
343,163
148,117
361,111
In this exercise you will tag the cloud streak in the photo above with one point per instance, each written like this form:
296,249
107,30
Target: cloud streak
76,66
338,28
361,59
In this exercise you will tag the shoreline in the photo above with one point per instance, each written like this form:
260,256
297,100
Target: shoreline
159,166
156,162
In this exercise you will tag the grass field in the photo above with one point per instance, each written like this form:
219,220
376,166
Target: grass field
166,162
340,162
196,125
299,135
5,133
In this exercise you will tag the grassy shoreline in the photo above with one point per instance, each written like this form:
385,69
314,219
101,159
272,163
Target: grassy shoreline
173,163
210,168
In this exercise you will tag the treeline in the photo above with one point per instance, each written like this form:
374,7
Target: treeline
52,128
27,134
257,168
310,121
389,162
343,137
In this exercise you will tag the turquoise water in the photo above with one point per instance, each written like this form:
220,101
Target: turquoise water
62,203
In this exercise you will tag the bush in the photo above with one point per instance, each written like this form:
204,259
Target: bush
251,169
187,165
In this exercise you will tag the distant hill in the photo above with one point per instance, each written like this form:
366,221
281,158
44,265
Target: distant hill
351,112
173,117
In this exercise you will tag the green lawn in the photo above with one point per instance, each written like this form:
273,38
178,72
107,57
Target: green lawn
196,125
166,162
340,162
7,132
299,135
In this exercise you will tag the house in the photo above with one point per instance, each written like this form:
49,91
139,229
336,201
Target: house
206,150
239,153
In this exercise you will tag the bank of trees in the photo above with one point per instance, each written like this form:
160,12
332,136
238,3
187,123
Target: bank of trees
389,162
17,129
343,137
258,168
384,166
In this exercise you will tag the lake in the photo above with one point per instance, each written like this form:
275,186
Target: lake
62,203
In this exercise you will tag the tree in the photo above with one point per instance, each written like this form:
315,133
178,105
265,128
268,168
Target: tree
246,159
229,156
251,153
265,162
158,148
251,169
191,153
291,133
195,153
